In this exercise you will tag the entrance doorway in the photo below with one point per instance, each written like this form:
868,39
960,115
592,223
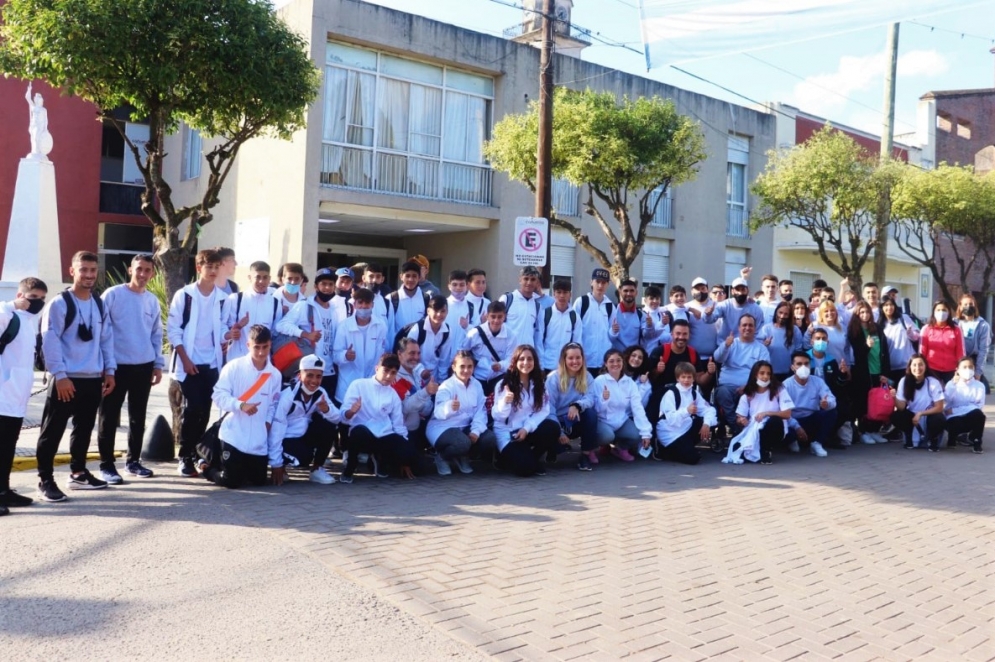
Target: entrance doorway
342,255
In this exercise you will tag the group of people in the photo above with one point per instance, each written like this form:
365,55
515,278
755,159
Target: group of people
387,380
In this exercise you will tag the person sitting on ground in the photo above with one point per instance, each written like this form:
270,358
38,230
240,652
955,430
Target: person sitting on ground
459,420
964,397
836,374
416,386
521,416
622,418
919,405
685,418
571,405
813,419
767,402
304,423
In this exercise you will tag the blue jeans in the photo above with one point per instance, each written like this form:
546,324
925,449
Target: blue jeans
627,437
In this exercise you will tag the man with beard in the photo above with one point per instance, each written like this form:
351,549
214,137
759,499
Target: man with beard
737,357
628,325
704,335
373,281
664,360
735,308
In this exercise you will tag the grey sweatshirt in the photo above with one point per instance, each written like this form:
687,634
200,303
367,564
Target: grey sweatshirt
136,320
68,356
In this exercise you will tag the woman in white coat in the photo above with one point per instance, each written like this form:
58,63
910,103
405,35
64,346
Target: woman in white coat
622,419
522,425
459,419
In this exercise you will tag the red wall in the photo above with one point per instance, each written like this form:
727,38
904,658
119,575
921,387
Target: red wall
806,128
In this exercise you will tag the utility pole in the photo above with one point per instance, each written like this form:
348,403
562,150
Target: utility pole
887,143
544,160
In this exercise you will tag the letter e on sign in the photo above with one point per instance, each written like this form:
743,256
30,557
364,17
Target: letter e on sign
531,237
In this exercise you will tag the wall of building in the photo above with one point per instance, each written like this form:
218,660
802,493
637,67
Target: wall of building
958,114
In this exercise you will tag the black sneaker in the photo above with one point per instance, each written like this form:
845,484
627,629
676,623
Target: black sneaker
186,469
4,511
976,449
50,491
541,469
111,476
345,479
85,480
136,469
584,464
934,446
766,458
908,444
12,499
378,471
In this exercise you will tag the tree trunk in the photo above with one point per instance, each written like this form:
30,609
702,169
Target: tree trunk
173,265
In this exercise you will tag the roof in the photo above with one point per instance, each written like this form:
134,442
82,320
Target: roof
985,91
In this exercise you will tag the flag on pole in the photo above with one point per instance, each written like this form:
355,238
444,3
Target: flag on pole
684,30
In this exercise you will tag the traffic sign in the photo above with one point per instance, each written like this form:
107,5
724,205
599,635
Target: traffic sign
531,236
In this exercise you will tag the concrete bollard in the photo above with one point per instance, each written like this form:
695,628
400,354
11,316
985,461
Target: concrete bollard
158,444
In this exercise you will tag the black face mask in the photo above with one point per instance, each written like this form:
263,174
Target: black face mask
786,296
700,297
344,293
374,287
324,298
970,311
740,298
35,306
84,332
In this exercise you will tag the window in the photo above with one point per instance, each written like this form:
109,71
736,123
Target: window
735,261
192,153
118,243
944,122
803,282
656,263
963,129
404,127
121,182
736,173
662,217
563,254
565,197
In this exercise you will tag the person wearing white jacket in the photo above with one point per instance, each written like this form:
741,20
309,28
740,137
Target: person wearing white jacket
247,392
559,325
491,345
304,423
521,416
435,337
372,409
767,402
314,320
359,343
459,420
17,353
964,401
245,308
622,419
685,418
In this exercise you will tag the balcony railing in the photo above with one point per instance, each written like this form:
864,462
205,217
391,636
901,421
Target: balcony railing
405,174
663,217
120,198
737,221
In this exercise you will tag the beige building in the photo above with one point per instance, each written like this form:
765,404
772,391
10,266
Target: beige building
391,162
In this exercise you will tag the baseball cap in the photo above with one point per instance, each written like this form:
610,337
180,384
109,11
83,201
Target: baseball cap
740,282
601,274
421,259
324,274
312,362
888,289
530,271
699,281
344,271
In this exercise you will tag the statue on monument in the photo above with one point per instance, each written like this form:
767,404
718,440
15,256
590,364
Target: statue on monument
41,139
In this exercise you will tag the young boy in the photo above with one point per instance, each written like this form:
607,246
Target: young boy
435,338
304,422
558,325
18,327
314,320
460,314
477,299
373,281
685,418
257,305
248,391
195,329
227,271
522,307
289,293
836,375
359,342
342,301
595,309
491,347
407,304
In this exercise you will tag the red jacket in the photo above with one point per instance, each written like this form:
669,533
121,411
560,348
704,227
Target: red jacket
942,346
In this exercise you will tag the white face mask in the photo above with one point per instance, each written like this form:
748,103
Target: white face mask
966,373
942,315
803,372
308,391
763,383
459,296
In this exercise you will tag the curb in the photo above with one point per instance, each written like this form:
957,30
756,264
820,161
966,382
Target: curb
24,463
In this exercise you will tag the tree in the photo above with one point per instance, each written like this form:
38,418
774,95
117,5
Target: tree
229,68
952,206
617,151
830,188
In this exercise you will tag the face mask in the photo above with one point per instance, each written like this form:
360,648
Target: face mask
292,288
459,296
803,372
84,333
966,373
763,383
970,311
308,391
374,287
344,293
35,306
786,297
740,298
364,313
324,298
820,345
701,297
941,316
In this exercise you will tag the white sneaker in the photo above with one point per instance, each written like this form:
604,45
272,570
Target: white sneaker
464,465
845,434
442,465
817,450
866,438
794,447
880,438
321,476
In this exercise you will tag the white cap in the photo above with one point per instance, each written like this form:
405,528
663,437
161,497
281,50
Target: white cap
887,289
699,281
312,362
740,282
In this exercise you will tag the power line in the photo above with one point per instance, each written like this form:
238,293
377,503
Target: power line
932,28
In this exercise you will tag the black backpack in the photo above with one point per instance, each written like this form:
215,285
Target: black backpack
70,318
548,317
585,304
422,332
10,332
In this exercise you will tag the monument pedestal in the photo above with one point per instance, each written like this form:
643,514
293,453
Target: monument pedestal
33,236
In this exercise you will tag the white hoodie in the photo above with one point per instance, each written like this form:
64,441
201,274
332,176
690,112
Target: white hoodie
17,362
509,419
676,420
624,401
471,414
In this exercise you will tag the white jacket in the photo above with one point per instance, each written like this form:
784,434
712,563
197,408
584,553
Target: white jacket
369,343
509,419
963,397
471,413
416,403
563,328
502,343
293,415
749,407
624,401
248,433
17,362
380,411
185,335
262,309
675,419
438,349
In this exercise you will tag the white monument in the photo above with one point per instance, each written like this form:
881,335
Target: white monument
33,236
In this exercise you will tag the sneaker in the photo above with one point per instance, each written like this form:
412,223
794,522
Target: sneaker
85,480
766,458
12,499
541,469
975,449
879,438
908,444
592,457
291,461
343,478
321,476
866,438
962,440
363,458
584,463
623,454
111,476
817,450
377,471
934,446
794,447
442,466
186,469
886,429
136,469
463,464
50,491
845,434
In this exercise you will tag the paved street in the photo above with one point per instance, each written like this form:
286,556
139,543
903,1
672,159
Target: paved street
873,553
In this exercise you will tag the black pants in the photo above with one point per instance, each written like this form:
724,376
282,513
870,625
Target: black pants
134,381
234,469
944,375
522,458
973,423
932,429
313,448
197,390
392,449
683,449
771,435
10,431
82,408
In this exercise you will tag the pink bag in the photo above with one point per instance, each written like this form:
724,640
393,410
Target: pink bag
880,405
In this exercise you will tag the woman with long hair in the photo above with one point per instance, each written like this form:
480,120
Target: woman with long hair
941,342
977,336
571,405
766,401
919,406
871,363
636,365
782,338
521,416
622,419
901,333
801,315
828,318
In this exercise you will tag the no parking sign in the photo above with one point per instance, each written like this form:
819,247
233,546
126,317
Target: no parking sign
531,235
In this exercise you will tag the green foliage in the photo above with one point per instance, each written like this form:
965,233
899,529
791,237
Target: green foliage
615,149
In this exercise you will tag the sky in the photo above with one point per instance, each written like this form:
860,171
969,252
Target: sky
840,78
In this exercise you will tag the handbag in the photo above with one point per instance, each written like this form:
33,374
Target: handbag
288,350
880,404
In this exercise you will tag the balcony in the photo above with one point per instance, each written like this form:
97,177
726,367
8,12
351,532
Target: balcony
737,221
120,198
405,174
663,217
